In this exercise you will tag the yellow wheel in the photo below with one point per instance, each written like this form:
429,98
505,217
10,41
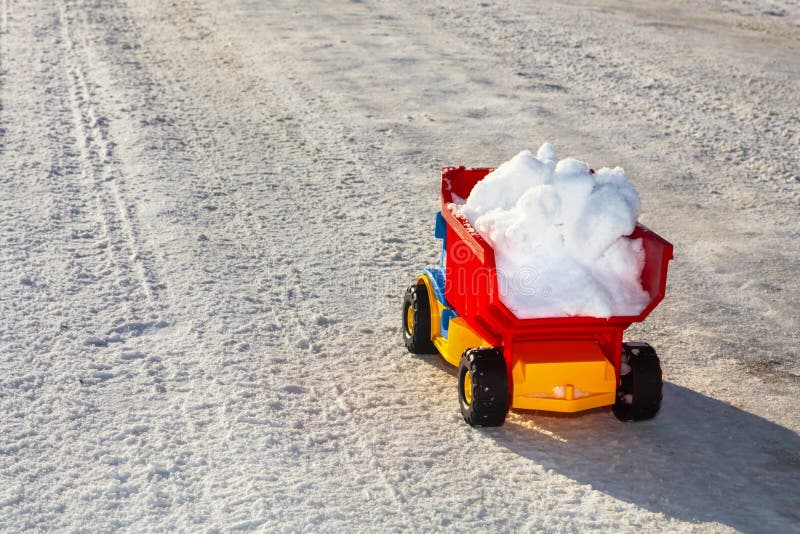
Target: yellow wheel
417,320
483,387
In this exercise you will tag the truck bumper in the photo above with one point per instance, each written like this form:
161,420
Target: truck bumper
561,376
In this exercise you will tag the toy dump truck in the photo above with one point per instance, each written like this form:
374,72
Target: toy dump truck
560,364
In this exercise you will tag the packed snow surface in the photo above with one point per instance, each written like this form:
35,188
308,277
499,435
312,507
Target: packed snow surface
559,235
210,211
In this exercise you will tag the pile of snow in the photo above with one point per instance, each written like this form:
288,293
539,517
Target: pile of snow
558,233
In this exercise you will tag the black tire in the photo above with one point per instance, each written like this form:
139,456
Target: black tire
483,387
417,335
640,392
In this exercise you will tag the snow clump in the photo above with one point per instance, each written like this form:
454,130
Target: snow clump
559,236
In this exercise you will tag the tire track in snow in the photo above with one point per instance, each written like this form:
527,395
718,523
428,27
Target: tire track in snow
103,177
60,288
226,429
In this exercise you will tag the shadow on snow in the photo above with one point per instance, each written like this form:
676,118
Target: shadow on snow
698,460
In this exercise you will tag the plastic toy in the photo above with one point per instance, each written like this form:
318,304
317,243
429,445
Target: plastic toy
564,364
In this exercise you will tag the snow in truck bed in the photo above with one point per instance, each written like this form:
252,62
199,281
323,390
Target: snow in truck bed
559,231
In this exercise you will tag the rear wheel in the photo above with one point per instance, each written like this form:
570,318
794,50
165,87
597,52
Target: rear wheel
483,387
640,392
417,320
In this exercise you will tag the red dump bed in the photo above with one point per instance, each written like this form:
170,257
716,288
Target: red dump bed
472,288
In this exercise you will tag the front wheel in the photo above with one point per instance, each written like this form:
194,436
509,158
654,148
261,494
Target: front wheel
483,387
417,320
640,392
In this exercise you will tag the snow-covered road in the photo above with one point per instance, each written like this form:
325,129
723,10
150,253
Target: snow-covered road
209,211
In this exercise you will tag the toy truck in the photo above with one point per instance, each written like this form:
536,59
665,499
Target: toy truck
559,364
